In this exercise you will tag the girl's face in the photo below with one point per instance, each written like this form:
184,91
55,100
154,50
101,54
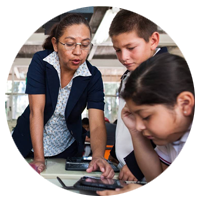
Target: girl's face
157,122
72,59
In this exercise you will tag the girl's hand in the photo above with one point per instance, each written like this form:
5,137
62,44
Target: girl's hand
126,175
130,190
128,118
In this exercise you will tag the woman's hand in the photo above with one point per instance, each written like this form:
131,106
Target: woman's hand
130,190
103,165
126,175
38,165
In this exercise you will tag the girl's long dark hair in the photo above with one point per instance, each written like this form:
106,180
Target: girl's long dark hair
159,80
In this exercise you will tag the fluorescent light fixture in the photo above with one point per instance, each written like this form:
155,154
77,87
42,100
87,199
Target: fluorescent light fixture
103,29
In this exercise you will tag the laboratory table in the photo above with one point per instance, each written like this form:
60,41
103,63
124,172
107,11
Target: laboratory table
55,167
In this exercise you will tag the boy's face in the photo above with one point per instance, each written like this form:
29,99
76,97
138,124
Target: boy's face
132,50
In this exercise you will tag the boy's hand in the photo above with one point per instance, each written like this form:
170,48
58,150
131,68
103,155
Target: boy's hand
126,175
103,165
130,190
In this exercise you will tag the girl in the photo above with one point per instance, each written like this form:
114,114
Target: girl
60,83
159,97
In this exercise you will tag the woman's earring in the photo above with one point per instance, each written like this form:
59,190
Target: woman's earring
185,112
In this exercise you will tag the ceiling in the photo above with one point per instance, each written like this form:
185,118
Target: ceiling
26,35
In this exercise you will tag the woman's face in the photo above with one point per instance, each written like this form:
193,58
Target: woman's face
72,59
157,122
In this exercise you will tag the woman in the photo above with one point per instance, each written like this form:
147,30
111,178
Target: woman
60,84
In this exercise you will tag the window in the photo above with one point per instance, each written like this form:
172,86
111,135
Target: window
111,100
15,99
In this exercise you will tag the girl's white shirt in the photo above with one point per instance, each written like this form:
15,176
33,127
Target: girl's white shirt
181,156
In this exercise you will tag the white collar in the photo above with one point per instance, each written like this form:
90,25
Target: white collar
157,50
53,60
189,136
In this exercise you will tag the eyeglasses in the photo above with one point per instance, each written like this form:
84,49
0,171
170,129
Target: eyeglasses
72,46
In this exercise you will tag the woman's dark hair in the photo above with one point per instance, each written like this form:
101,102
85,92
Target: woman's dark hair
127,21
58,29
159,80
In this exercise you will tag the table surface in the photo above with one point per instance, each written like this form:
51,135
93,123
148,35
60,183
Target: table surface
55,167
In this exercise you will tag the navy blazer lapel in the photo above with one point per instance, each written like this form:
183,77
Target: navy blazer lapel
78,87
53,84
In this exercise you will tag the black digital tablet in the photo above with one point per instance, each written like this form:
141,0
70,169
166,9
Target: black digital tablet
97,182
82,163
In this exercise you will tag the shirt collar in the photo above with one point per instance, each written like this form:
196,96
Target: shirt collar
189,136
126,72
124,75
53,60
157,50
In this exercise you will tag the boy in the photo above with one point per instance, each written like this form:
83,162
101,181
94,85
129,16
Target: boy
135,40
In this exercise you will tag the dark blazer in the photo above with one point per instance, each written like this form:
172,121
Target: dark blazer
110,129
42,78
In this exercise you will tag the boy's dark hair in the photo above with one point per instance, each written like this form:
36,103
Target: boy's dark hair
159,80
127,21
85,121
58,29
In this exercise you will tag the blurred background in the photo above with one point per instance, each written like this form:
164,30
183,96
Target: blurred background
27,27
